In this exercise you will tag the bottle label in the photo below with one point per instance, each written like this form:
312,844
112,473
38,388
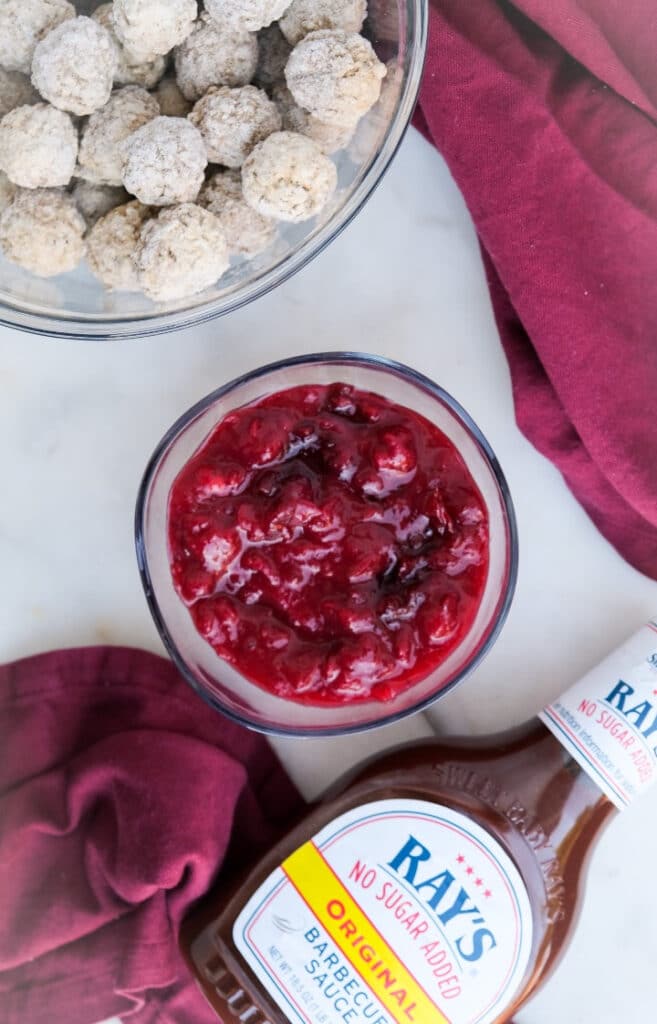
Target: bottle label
608,720
397,912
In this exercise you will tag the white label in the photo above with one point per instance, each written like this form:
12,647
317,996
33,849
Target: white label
608,720
397,912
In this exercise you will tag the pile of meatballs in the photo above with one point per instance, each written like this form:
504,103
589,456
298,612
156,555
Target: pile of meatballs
157,139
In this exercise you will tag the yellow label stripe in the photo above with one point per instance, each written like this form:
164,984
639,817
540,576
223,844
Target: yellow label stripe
358,940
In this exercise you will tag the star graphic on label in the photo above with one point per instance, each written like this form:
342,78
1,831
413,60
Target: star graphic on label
478,881
460,859
469,871
488,894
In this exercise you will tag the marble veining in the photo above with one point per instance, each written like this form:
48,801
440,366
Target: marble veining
78,422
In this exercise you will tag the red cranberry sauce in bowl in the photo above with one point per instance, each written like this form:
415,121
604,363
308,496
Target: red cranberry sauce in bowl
330,544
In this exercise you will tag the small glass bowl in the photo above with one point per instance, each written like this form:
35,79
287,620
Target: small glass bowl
77,305
219,683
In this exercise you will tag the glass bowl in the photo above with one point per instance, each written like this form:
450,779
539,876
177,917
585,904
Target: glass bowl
219,683
76,305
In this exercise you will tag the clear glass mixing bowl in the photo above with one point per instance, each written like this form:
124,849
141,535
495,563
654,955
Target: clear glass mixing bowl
218,682
76,305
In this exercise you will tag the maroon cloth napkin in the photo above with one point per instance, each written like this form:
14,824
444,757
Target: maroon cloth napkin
545,112
121,796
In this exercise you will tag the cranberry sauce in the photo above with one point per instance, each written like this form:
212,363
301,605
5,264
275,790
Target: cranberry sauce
330,544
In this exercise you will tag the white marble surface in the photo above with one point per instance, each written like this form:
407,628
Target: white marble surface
78,421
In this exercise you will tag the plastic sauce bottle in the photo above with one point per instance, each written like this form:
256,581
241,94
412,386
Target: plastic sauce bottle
440,883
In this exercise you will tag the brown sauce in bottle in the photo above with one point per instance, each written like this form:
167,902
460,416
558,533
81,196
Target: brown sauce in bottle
541,814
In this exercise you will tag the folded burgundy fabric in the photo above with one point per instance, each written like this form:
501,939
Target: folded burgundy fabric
545,112
121,797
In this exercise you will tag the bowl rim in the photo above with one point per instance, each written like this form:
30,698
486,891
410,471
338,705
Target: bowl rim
99,328
370,361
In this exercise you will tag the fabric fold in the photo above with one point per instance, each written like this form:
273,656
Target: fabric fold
123,798
549,134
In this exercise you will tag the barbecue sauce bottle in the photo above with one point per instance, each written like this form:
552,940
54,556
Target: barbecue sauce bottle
439,883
